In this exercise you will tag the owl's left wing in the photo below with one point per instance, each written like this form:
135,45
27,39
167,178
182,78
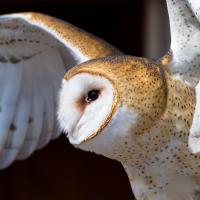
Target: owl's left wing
35,52
184,58
184,17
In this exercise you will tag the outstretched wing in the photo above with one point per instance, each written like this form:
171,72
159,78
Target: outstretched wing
184,16
35,52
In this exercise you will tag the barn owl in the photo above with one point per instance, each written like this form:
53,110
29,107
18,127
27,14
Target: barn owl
140,112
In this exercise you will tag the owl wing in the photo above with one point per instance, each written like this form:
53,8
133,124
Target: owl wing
35,52
184,17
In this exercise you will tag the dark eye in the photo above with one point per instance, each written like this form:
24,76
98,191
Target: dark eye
92,95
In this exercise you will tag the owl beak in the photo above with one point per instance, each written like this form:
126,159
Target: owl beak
77,135
78,139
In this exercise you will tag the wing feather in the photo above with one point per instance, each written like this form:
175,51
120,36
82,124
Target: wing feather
185,37
21,121
10,81
39,83
56,84
49,93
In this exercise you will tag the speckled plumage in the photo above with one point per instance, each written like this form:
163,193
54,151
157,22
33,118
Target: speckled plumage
149,129
157,140
130,77
143,113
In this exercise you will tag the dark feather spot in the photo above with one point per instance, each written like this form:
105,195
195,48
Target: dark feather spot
3,59
30,120
12,127
14,60
30,56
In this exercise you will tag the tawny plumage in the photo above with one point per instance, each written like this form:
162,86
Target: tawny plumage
142,113
148,129
152,125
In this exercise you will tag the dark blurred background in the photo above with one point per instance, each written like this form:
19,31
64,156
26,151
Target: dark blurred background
59,171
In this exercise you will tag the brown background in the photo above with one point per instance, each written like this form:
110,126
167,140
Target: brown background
61,172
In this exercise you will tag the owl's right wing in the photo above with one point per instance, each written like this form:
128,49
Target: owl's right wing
35,52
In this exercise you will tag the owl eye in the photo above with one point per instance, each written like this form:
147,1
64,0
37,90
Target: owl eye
92,95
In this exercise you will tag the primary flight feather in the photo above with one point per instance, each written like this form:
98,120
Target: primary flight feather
142,113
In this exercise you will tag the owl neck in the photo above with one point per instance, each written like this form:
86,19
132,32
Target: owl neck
173,125
178,115
160,149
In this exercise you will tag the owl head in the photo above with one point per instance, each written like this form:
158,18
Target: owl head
107,102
